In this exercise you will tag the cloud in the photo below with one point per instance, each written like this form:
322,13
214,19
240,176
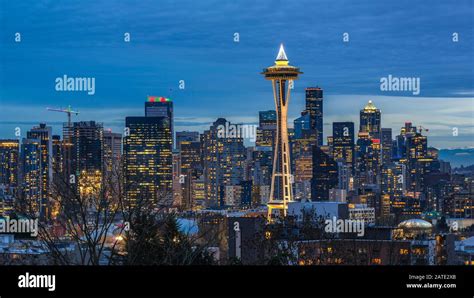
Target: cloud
193,41
451,112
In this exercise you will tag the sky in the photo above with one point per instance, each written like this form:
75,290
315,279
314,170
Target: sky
194,41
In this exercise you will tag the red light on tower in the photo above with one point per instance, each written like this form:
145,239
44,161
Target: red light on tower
158,99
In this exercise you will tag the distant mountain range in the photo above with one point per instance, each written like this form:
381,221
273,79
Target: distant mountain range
458,157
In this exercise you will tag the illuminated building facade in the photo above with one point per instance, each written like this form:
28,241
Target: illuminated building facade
370,120
198,187
147,150
191,161
87,155
417,160
301,166
58,162
266,130
343,143
325,175
159,106
302,126
9,162
393,184
186,136
9,174
461,204
190,169
314,108
31,176
43,134
362,155
302,177
112,150
300,148
282,76
400,140
374,161
387,145
223,157
262,166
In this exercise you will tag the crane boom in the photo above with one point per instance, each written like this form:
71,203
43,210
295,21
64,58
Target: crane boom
68,111
421,128
66,137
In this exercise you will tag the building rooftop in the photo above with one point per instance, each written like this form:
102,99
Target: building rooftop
415,223
281,54
370,106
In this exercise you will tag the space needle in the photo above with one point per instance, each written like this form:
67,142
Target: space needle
282,75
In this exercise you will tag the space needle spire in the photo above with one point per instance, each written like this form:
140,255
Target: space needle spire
282,76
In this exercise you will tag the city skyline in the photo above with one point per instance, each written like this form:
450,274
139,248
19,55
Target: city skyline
349,72
192,139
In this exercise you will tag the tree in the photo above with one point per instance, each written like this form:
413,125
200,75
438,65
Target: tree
159,240
94,217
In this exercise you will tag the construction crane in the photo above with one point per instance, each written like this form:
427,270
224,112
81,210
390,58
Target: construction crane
421,128
67,135
68,111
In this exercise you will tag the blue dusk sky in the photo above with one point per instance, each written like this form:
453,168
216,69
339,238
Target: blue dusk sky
194,41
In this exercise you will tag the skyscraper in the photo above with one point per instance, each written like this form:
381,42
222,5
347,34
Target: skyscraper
190,169
186,136
147,150
158,106
9,162
267,119
303,175
266,130
43,134
301,166
400,140
368,160
112,147
31,177
57,155
58,173
282,75
393,183
387,145
314,107
370,120
87,156
362,158
325,175
343,143
191,161
262,166
302,126
374,161
417,160
87,141
223,158
112,160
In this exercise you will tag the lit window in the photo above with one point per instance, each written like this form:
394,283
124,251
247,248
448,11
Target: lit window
403,251
377,261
